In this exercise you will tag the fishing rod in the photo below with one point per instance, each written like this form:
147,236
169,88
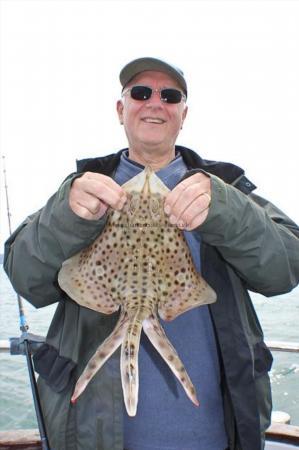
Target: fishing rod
27,341
23,323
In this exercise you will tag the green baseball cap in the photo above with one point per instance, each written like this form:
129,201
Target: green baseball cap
141,64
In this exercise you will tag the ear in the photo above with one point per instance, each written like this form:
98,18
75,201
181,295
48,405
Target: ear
120,109
184,114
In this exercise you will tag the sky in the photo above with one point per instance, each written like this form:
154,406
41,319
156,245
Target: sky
59,67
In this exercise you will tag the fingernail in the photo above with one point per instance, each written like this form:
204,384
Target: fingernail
167,209
121,202
172,219
181,224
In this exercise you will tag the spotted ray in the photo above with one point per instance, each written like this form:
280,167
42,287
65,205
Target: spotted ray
142,264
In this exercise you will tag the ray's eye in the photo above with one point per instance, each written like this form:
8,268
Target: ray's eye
133,204
155,208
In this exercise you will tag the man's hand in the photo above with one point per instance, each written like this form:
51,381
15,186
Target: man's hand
93,193
187,205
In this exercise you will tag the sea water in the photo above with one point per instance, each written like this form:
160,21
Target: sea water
278,316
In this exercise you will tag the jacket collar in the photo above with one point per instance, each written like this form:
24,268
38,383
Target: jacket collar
228,172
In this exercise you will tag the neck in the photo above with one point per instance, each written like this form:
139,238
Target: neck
155,159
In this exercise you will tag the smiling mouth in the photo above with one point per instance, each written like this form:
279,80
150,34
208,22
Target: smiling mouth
155,120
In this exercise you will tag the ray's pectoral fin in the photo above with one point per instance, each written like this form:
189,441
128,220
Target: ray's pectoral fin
76,279
188,291
105,350
158,338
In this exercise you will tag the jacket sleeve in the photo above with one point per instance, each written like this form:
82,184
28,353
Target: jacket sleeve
35,251
259,241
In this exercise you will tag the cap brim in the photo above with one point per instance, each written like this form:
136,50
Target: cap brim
139,65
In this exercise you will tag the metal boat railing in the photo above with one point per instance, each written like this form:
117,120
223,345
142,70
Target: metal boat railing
281,435
283,346
4,346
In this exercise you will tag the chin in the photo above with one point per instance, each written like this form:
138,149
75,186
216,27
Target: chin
154,145
154,141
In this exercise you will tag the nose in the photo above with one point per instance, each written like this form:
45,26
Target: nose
154,99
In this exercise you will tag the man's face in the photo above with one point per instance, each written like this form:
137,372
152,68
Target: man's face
152,123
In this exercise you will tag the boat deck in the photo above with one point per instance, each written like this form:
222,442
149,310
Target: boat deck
30,440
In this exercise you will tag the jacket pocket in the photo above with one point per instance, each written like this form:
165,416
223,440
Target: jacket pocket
263,359
56,370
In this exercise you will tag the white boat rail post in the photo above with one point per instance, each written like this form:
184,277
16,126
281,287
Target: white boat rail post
4,346
281,417
24,343
283,346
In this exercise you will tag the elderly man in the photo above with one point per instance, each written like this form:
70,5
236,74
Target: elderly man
238,241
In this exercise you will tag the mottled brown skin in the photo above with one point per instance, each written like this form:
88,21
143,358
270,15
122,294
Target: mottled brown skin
142,264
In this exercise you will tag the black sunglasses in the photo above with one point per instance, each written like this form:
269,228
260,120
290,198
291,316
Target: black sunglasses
167,95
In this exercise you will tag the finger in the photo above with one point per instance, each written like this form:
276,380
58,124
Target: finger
172,197
105,180
195,210
103,188
110,193
84,212
86,205
198,220
202,183
208,197
85,200
190,196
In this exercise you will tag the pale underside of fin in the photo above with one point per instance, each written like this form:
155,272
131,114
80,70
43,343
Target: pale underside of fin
105,350
142,265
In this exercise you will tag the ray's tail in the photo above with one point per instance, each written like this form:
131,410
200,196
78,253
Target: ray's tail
105,350
129,360
127,333
158,338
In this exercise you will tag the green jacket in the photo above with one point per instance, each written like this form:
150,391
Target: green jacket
247,244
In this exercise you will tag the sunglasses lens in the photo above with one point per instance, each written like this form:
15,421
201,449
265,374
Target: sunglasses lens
171,95
141,92
168,95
